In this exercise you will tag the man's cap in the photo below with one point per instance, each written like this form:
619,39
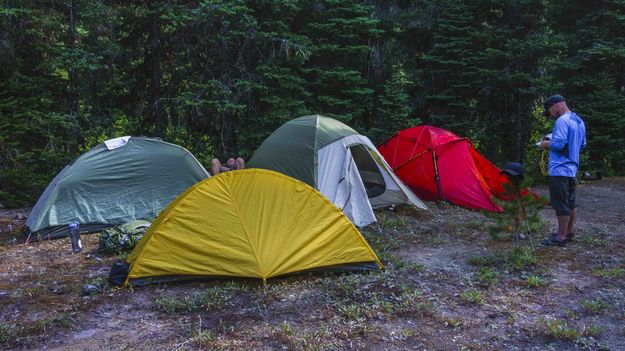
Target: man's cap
514,169
553,99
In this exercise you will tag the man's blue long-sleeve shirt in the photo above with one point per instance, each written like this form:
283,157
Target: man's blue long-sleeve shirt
567,141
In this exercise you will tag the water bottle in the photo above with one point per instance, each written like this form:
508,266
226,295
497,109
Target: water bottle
74,236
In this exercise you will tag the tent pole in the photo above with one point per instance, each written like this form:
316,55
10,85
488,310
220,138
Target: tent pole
436,178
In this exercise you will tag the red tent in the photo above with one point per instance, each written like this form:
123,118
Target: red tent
437,164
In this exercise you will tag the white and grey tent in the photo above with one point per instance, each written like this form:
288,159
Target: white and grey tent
342,164
119,181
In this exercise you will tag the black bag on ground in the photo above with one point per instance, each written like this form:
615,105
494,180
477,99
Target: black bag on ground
119,273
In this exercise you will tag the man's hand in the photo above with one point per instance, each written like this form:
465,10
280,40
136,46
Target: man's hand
545,144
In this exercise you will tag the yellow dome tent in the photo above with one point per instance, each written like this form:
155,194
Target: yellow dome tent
249,223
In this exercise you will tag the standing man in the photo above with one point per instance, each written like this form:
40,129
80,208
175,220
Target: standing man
567,141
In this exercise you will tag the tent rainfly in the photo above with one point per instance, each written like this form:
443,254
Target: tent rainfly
119,181
250,223
439,165
333,158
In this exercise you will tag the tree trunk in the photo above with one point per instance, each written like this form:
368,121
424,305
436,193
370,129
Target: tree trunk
228,127
73,99
228,134
156,74
378,69
518,130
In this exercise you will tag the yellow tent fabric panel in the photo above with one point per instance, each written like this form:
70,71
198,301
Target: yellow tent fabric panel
248,223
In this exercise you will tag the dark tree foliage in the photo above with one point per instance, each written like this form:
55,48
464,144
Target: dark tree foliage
480,71
38,131
590,72
218,76
339,31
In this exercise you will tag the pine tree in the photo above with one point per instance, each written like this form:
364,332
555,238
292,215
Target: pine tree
335,73
520,215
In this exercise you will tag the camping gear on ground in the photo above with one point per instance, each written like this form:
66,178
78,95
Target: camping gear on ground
334,159
252,223
74,236
122,238
119,273
116,182
515,172
90,289
439,165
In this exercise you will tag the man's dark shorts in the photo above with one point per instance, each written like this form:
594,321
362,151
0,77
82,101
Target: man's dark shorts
562,194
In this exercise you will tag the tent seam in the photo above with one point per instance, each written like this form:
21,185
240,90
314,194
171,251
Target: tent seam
245,230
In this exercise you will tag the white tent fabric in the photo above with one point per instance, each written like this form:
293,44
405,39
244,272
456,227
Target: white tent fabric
113,144
339,179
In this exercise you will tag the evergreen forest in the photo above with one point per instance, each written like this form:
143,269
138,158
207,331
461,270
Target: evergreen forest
218,76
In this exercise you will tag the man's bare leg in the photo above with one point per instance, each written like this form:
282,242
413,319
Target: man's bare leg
571,221
215,166
563,227
239,163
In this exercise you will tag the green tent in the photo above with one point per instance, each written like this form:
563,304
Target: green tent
121,180
334,159
292,148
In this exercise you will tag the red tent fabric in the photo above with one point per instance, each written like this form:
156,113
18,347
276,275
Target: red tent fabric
437,164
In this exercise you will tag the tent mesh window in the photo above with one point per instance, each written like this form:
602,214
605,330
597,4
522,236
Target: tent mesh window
369,171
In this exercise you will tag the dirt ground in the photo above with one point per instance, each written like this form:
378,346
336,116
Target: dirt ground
447,285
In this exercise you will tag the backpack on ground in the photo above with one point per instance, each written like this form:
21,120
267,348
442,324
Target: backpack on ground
122,238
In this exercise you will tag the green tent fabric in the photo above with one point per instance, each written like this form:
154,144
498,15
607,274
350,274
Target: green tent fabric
292,148
121,180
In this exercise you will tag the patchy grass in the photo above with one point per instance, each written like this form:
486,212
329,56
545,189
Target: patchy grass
40,328
205,339
475,224
593,241
517,259
210,299
488,277
472,296
390,222
594,306
610,272
535,281
413,303
7,332
484,261
561,330
521,258
452,322
414,267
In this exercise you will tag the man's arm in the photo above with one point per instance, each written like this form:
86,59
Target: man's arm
559,137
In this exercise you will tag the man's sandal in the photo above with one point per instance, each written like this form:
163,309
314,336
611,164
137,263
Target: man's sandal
553,242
